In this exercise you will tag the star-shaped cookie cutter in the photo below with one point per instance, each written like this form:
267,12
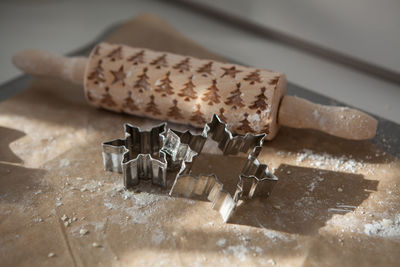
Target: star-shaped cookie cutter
138,155
255,179
134,156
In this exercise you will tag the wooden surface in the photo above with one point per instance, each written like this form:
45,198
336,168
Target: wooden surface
336,203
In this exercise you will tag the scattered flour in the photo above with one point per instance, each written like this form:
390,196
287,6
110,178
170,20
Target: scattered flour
314,182
64,163
132,207
239,251
326,161
275,235
92,186
384,228
221,242
157,236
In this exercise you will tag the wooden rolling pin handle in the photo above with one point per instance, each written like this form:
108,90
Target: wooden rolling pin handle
41,63
338,121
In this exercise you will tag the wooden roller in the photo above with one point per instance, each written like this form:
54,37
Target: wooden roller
188,90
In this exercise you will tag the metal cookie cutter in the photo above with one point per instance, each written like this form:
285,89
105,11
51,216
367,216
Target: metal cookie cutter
148,154
255,179
138,155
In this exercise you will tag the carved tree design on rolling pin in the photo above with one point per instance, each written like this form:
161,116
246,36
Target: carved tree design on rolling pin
198,116
183,65
274,81
119,76
205,69
188,91
143,82
96,51
235,100
116,54
151,107
137,58
107,99
231,72
97,76
221,115
129,103
159,62
245,125
165,86
89,96
212,95
266,129
174,111
253,77
261,103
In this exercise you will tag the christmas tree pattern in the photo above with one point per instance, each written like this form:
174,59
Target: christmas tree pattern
116,54
205,69
137,58
107,99
174,111
151,107
231,72
253,77
261,103
212,95
159,62
129,103
165,86
245,125
274,81
198,116
97,76
183,65
188,91
265,129
143,82
221,115
235,100
89,96
96,51
119,76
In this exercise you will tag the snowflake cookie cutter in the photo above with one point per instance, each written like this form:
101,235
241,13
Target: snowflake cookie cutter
149,154
138,156
254,180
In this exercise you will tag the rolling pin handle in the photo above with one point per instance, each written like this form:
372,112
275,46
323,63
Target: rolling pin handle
338,121
42,63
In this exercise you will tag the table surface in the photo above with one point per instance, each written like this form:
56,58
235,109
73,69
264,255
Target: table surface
61,26
336,202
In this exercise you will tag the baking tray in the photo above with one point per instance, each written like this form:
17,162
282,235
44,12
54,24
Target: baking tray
387,137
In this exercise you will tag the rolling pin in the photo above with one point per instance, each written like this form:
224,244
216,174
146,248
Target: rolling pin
189,90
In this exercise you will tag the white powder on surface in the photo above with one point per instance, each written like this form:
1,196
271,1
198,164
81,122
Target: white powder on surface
157,236
64,163
221,242
314,182
276,235
329,162
384,228
238,251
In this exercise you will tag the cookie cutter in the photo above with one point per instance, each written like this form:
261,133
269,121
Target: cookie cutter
255,179
149,154
138,156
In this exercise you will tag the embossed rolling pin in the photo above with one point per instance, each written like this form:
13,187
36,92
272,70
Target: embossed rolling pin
188,90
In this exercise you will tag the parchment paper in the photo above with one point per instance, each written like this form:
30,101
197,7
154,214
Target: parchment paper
336,203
